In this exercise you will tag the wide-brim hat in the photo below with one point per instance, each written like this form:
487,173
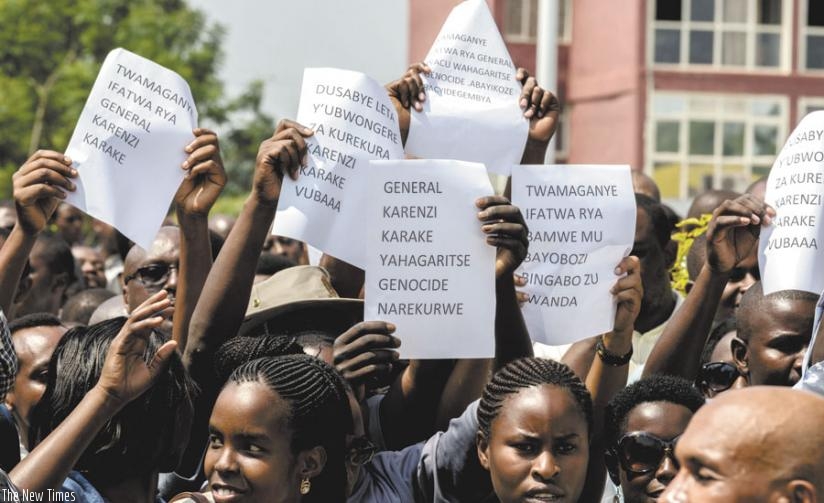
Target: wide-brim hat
301,288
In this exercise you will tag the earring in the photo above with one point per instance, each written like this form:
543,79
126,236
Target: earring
305,486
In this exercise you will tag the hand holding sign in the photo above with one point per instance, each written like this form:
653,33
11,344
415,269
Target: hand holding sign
39,186
281,154
732,235
205,176
406,92
628,292
505,229
366,350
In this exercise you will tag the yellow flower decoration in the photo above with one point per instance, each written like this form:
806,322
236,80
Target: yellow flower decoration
689,229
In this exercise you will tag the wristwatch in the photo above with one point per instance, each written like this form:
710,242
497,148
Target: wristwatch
611,358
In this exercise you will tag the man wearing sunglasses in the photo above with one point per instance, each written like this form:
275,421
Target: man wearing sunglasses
760,444
642,425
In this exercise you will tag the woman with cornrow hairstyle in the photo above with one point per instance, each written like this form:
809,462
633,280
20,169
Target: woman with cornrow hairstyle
535,420
277,434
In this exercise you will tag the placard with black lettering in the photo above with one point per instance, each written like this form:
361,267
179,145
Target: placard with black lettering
429,269
128,144
471,111
790,256
581,223
354,121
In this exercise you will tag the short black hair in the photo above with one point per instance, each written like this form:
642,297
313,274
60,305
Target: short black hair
721,329
148,434
754,299
661,228
57,255
80,306
34,320
528,373
654,388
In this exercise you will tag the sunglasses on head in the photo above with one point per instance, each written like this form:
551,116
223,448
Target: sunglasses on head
716,377
152,275
640,452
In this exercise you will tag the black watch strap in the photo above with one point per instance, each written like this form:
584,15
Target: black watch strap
611,358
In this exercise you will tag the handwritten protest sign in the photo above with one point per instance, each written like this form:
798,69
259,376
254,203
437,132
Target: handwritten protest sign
354,121
789,255
471,110
581,223
429,269
128,144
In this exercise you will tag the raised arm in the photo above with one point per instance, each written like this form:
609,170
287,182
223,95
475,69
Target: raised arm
506,230
39,186
608,372
732,241
125,376
205,179
222,306
407,92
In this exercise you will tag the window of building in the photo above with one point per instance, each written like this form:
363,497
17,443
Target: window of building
747,34
808,105
521,21
704,141
812,35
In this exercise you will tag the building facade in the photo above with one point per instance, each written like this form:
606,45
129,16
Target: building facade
698,94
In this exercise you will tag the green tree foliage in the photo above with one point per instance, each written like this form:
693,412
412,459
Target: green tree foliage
51,51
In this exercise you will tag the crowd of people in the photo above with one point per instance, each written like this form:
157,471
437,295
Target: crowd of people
219,366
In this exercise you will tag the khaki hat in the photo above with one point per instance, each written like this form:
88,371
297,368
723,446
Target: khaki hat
295,289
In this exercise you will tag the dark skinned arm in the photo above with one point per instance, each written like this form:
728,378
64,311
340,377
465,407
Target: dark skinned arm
39,187
505,229
604,381
205,179
125,376
346,279
732,241
222,306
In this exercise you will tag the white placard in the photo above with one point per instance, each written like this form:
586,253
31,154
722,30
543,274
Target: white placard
789,254
354,121
581,223
471,111
129,143
429,270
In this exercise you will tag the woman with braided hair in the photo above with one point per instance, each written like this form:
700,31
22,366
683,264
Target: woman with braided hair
535,419
278,434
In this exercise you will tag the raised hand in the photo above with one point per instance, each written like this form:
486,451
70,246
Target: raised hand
281,154
406,92
126,375
542,108
39,186
505,229
628,292
367,350
205,175
732,235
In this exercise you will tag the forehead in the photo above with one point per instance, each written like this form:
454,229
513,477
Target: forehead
544,410
250,407
165,249
665,420
777,316
85,253
722,352
35,343
719,437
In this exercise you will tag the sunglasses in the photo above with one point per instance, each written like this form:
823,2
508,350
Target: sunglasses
641,452
716,377
361,451
153,275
